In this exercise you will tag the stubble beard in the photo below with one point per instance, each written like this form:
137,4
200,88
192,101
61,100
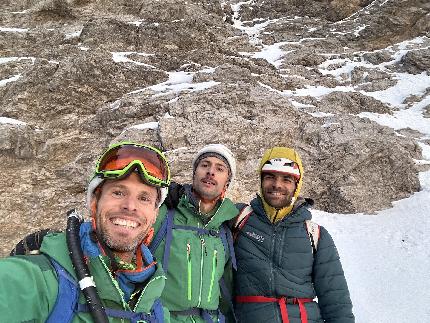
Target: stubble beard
116,243
206,193
286,201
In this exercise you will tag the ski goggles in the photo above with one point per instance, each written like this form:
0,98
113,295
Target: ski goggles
122,158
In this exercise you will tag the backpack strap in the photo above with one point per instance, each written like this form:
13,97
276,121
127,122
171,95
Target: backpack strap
67,297
241,219
169,237
313,230
155,316
203,313
166,231
161,233
227,241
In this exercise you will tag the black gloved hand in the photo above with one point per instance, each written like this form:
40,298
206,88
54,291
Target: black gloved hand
176,190
31,243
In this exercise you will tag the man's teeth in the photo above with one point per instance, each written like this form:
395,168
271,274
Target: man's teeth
123,222
276,193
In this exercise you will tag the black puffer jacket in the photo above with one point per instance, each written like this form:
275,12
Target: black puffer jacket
276,260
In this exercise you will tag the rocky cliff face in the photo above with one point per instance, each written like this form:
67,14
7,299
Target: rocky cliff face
76,75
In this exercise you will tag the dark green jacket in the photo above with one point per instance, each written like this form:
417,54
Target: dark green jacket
276,260
196,263
28,285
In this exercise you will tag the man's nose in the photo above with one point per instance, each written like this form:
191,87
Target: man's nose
129,203
277,182
211,171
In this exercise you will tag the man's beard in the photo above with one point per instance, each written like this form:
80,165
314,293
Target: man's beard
286,201
119,245
206,194
115,243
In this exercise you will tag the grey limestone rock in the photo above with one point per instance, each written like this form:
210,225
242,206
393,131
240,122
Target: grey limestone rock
81,74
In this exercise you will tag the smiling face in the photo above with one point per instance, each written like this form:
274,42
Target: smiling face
278,189
210,178
125,212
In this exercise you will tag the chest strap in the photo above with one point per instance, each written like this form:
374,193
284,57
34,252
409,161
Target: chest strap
132,316
204,314
282,301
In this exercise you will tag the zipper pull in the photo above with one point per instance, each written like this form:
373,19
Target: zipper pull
188,250
204,246
216,258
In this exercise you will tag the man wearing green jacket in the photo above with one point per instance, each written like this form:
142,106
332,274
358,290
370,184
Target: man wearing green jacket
192,240
288,268
129,184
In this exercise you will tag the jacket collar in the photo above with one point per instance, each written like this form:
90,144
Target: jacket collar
297,213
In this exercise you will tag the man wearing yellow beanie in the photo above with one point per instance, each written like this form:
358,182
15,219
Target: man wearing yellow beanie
288,268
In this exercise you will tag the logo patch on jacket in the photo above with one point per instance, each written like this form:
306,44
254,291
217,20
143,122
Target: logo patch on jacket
255,236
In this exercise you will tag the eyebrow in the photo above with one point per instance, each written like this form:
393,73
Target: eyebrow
220,163
145,193
117,185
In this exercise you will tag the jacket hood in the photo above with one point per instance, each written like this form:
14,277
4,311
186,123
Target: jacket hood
52,246
288,153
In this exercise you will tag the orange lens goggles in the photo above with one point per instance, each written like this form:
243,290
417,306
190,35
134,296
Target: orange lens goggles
122,158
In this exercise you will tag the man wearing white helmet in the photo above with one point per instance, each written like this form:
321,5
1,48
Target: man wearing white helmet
193,242
288,268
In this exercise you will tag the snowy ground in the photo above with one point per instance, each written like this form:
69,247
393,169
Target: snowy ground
386,258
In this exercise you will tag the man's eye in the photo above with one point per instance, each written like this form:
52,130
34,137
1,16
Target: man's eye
221,169
117,193
145,199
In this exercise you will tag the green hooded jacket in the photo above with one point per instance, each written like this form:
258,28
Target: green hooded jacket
196,263
29,286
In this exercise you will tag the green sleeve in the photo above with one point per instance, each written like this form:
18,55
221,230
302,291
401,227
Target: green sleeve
27,291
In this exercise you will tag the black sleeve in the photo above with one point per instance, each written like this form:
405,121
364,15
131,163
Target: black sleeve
330,283
176,190
31,243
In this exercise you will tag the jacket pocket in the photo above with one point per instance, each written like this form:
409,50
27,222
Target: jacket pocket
213,272
189,272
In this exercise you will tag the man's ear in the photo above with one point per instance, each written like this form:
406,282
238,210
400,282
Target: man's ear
93,206
157,212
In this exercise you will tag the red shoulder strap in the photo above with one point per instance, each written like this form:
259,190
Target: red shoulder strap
241,220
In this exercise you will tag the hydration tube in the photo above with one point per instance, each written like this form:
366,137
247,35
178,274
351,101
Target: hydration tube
86,282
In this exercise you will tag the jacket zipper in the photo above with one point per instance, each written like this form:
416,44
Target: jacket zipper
189,273
203,248
272,249
213,216
121,293
214,264
115,283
